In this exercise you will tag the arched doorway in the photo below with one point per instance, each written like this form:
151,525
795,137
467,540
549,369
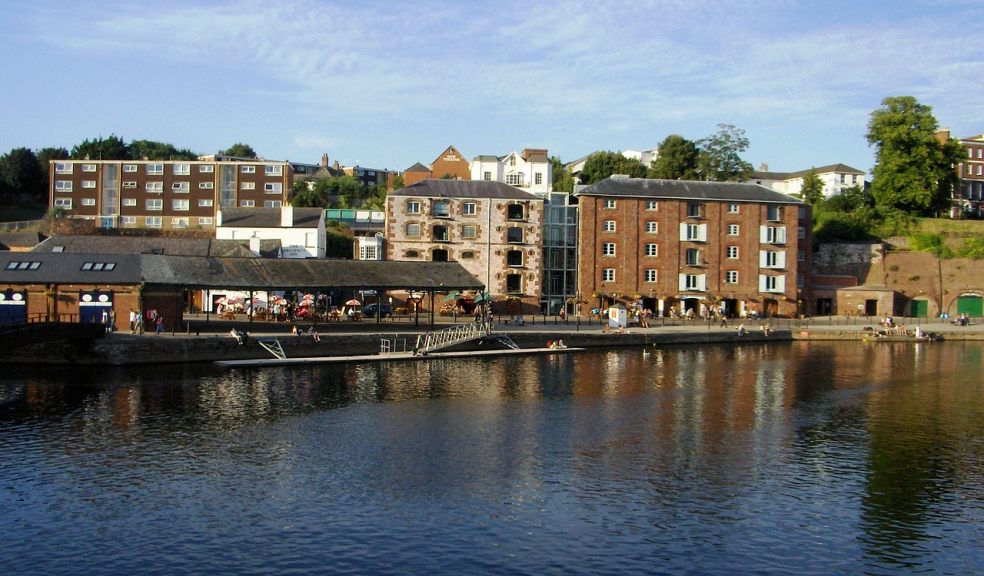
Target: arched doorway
970,304
439,255
770,307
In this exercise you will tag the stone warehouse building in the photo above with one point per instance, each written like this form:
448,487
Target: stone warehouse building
492,229
165,194
675,245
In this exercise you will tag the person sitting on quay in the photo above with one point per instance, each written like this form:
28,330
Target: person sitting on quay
239,336
766,329
741,330
294,331
314,334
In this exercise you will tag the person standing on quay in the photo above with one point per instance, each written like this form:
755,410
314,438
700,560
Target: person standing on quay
159,324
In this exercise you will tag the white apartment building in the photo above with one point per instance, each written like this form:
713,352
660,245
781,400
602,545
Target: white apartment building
529,170
835,178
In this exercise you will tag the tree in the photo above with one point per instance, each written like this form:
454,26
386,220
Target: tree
45,156
150,150
111,148
720,155
240,150
678,159
563,181
601,165
914,166
398,182
21,174
812,190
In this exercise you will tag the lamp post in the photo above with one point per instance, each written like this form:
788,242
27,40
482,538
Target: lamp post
415,296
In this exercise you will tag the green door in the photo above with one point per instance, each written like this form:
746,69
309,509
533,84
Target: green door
919,308
972,305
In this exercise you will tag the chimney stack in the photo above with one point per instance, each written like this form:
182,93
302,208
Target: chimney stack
287,216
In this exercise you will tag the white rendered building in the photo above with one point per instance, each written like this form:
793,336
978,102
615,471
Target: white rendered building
301,231
530,171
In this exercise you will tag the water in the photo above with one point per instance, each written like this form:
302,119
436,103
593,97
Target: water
786,458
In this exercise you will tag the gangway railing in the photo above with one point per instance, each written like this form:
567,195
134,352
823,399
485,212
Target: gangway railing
448,337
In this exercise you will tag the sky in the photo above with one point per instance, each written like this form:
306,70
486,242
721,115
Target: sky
386,84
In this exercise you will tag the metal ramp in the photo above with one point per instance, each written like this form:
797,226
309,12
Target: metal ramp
433,341
272,345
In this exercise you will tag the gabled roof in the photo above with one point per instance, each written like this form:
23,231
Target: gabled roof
269,217
245,273
170,246
418,167
449,149
486,158
464,189
21,240
686,190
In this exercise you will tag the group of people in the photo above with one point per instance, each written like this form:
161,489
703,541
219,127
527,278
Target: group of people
556,344
137,321
310,332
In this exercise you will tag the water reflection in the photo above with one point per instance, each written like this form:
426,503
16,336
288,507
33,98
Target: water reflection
823,457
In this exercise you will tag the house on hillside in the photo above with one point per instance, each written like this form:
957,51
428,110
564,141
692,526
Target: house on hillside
529,170
835,178
968,199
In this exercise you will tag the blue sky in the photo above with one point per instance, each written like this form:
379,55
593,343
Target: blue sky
386,84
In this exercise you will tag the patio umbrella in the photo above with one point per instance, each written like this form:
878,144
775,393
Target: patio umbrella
481,298
353,302
452,296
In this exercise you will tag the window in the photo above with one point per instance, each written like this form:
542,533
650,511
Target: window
179,222
692,282
734,208
733,229
801,255
273,188
63,186
273,170
693,257
652,250
609,202
843,178
88,201
695,210
772,283
206,168
153,222
512,160
204,202
154,204
413,207
469,209
801,232
652,227
650,275
247,169
247,186
731,277
63,203
773,235
487,176
180,204
515,212
129,201
129,167
368,252
129,184
23,265
469,231
88,184
608,249
514,235
272,203
514,258
514,179
538,178
693,232
247,203
206,185
607,274
413,230
154,187
468,255
440,233
772,259
609,226
800,280
773,212
155,169
514,284
205,221
411,254
129,220
181,187
64,167
181,169
652,205
88,167
732,252
441,209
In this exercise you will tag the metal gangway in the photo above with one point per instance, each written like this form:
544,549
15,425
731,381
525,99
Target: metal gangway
448,337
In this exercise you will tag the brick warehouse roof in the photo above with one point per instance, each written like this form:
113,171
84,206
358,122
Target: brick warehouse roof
198,272
687,190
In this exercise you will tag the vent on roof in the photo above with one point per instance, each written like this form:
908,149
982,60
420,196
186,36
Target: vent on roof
58,249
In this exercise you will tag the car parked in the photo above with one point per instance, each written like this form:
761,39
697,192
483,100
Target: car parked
369,310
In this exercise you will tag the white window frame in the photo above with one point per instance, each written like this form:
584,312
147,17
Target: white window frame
415,225
180,204
247,169
413,207
273,170
247,203
693,232
154,187
153,222
651,250
130,184
64,167
247,185
88,201
181,169
129,201
154,204
130,168
734,230
89,184
607,248
63,185
607,275
732,252
734,208
180,222
469,209
181,187
205,221
273,188
206,185
610,203
652,205
469,232
773,284
88,167
272,203
651,275
128,220
155,169
652,227
772,234
205,202
608,226
731,277
692,282
65,203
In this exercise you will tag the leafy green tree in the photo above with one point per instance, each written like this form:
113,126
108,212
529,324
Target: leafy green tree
110,148
240,150
812,190
720,155
914,167
678,159
563,181
601,165
150,150
45,156
21,174
398,182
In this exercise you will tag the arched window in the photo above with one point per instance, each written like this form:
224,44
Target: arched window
514,258
514,235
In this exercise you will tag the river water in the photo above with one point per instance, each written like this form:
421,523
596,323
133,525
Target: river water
805,458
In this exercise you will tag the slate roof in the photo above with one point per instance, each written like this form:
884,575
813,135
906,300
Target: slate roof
418,167
464,189
156,245
233,273
269,217
836,168
22,240
686,190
